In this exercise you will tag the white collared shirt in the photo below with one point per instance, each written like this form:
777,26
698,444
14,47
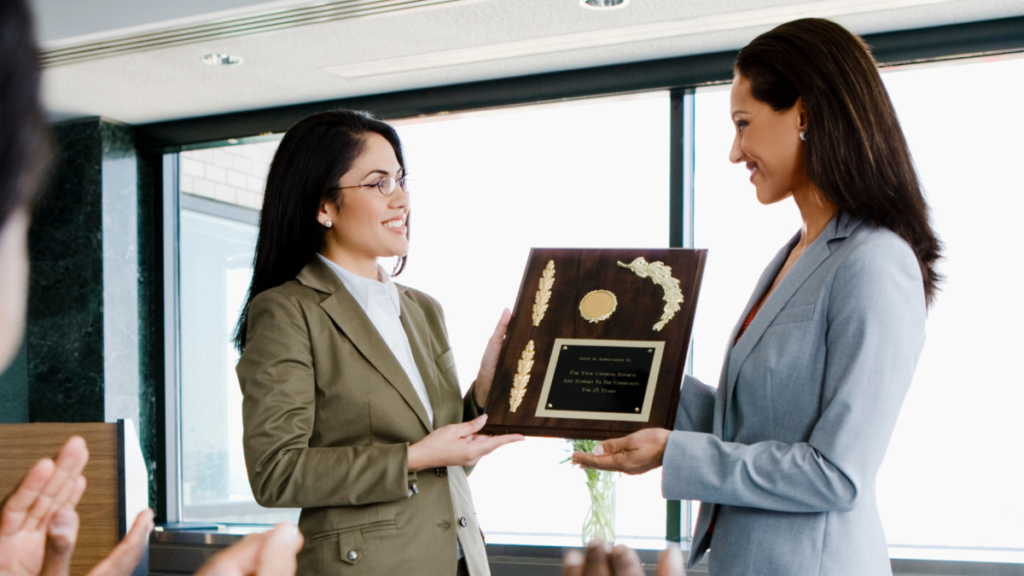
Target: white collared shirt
381,303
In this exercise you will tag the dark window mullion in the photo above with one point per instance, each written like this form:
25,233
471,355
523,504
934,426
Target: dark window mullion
681,166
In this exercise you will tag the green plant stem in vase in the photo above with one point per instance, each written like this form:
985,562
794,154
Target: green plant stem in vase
600,519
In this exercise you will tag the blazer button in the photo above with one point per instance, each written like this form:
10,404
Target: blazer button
441,472
462,522
415,489
353,555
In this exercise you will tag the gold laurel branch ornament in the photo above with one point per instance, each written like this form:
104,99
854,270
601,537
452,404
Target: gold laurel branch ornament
598,306
522,377
540,302
662,276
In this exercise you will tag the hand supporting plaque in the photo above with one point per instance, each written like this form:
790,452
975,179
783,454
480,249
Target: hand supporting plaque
606,370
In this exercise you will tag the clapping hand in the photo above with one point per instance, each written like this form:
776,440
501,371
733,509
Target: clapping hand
49,488
39,524
268,554
600,560
121,561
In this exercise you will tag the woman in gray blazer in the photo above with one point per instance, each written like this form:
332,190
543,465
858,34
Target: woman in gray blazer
784,454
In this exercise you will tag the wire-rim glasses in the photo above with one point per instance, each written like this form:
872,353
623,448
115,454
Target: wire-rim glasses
385,186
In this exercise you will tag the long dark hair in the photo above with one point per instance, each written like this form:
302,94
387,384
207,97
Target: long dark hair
856,153
24,142
313,155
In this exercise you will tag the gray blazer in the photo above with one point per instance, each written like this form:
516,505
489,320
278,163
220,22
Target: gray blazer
783,456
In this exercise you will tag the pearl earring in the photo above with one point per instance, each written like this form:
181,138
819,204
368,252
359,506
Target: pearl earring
803,135
327,224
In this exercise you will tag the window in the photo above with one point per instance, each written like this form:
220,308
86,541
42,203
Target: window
948,487
221,190
959,436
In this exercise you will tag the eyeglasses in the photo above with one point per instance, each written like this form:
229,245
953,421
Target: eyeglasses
386,185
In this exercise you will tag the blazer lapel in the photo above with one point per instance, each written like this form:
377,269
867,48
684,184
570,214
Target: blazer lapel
840,227
350,318
731,359
415,324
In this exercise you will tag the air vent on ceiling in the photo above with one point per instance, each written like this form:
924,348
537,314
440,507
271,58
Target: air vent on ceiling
230,27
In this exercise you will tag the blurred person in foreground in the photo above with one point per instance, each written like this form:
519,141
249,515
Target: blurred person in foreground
38,521
599,559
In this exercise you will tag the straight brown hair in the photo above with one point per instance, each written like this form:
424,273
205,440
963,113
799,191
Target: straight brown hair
310,160
856,153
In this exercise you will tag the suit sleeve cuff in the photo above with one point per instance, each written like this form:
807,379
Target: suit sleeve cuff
677,463
410,477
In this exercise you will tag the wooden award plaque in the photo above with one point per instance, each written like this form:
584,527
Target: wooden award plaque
597,343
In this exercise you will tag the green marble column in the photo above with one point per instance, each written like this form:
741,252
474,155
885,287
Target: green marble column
93,300
14,391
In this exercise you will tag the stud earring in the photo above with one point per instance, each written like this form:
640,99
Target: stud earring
803,135
327,224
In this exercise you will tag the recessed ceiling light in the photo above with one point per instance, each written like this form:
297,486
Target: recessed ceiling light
222,60
604,4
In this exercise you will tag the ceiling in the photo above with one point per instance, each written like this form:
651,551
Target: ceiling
139,61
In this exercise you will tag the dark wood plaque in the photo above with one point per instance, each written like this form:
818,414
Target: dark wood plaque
597,343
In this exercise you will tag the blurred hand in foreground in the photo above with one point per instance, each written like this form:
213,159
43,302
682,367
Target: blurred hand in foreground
48,488
39,524
122,560
600,560
268,554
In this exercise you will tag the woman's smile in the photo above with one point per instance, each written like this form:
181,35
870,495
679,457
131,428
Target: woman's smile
396,224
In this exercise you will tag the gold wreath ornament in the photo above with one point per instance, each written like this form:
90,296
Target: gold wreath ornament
598,306
522,377
661,275
540,302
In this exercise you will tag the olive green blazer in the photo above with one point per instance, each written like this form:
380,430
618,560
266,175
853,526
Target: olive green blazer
328,416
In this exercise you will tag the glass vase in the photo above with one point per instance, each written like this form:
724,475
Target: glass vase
600,519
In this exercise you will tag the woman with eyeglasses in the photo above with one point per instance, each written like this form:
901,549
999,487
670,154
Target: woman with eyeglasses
783,455
351,405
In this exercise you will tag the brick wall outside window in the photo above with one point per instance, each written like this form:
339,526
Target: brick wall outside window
230,174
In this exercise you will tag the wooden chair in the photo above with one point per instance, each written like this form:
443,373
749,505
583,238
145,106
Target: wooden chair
117,489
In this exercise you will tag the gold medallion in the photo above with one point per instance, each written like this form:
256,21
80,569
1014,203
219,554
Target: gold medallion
598,306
